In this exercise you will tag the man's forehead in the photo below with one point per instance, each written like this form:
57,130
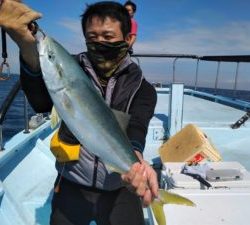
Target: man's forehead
101,19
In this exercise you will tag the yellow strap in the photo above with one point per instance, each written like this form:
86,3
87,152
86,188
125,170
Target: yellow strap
63,152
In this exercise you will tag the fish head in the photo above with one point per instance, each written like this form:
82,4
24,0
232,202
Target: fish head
51,62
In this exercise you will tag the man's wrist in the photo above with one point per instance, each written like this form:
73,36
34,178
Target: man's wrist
31,60
28,70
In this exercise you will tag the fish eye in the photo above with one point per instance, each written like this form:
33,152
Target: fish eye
51,56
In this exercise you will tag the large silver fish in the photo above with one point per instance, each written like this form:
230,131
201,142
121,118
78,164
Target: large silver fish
82,108
88,117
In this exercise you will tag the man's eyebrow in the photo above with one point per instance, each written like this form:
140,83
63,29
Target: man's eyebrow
109,32
90,32
104,32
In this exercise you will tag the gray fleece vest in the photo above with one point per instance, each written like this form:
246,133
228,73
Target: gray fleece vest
121,89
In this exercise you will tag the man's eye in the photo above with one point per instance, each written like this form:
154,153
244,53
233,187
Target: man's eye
108,37
91,38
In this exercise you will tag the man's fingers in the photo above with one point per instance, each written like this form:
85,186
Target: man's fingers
140,182
141,189
139,176
147,198
25,13
1,1
12,10
153,182
30,16
128,177
137,179
13,0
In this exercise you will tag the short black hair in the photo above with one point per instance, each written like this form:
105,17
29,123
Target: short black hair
106,9
132,4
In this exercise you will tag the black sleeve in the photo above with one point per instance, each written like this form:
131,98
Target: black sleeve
35,90
141,110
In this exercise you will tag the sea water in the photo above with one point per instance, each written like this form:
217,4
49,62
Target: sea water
14,119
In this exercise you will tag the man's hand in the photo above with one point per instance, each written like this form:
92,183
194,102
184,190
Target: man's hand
142,179
14,18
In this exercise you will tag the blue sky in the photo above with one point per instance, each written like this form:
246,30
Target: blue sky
165,26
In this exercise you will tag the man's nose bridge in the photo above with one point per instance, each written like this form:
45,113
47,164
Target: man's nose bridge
100,38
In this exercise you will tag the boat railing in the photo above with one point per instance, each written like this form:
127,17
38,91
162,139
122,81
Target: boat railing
5,107
219,59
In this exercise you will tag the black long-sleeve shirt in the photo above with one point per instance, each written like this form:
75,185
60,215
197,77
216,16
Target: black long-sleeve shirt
141,108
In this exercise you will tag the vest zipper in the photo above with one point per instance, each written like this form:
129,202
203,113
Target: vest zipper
58,182
95,172
133,95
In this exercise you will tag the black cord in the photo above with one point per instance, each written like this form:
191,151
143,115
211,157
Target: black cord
4,44
241,121
199,178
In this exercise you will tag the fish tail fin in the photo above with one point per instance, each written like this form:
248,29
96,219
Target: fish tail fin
172,198
157,208
166,197
55,118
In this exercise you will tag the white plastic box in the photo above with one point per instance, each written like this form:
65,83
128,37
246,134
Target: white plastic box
173,176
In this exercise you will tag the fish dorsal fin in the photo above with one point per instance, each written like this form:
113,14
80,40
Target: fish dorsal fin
122,118
55,118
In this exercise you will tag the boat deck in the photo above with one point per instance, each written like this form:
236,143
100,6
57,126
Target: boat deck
213,118
27,166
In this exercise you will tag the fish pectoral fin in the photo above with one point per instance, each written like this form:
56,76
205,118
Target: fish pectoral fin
67,103
54,118
172,198
157,208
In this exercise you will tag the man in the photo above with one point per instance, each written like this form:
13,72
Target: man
131,8
84,189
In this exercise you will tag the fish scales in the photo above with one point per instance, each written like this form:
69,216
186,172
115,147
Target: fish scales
82,108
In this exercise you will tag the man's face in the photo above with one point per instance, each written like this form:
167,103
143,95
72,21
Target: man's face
108,30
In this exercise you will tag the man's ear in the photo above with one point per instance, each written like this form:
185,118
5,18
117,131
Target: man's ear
128,39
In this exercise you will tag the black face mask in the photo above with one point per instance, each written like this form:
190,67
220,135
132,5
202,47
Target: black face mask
106,56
